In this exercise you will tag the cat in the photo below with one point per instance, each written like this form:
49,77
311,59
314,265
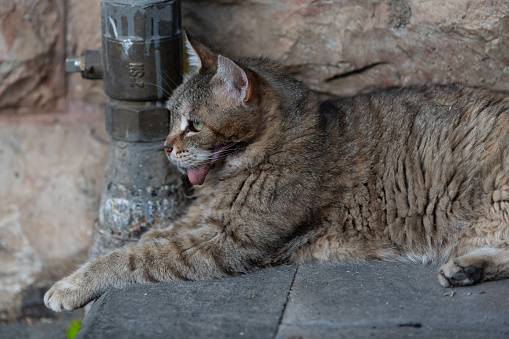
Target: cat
403,174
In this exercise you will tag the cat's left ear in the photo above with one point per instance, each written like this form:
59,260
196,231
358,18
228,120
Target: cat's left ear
237,80
200,58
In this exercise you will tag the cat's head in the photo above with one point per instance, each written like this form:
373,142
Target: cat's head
215,113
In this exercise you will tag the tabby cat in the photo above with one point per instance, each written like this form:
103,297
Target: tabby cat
413,174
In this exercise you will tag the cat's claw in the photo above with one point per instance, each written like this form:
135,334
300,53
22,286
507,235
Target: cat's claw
66,296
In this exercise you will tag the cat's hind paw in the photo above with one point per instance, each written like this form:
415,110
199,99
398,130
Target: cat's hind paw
66,296
460,272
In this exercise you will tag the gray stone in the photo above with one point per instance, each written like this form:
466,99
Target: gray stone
390,300
248,306
53,327
31,54
50,182
345,300
141,192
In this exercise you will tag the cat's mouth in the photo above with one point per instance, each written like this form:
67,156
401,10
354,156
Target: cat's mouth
197,174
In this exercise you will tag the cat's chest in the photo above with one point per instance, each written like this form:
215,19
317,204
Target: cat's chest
242,195
234,163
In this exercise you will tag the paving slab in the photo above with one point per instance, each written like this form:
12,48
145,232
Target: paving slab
53,327
391,300
247,306
345,300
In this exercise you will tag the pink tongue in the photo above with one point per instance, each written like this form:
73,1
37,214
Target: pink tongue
197,175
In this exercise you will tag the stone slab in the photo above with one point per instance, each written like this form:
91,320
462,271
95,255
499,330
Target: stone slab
391,300
40,328
247,306
347,300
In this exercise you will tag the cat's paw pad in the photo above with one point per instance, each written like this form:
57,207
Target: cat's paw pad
460,272
66,296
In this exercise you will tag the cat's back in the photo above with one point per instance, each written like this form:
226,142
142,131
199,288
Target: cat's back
416,161
464,123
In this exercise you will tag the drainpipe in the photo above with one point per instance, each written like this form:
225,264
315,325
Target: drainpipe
140,63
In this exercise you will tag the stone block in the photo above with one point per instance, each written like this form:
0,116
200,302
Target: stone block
344,47
31,54
246,306
18,261
316,300
50,184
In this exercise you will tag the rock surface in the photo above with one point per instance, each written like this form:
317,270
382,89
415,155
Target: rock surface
343,47
347,300
31,54
336,47
53,327
50,182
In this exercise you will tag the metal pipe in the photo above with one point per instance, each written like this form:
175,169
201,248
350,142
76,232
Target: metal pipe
140,63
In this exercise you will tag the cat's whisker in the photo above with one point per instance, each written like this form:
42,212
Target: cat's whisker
227,151
166,82
232,144
219,155
163,75
161,87
169,78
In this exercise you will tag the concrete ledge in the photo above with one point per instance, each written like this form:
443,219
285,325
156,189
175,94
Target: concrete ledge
351,300
246,306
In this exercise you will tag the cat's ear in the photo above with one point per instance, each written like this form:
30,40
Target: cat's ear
237,80
200,58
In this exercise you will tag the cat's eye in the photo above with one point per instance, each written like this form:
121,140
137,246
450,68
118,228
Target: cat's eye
196,126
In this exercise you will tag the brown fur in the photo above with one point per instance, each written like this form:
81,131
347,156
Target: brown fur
416,174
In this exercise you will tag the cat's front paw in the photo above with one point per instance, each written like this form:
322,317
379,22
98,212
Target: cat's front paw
67,296
462,271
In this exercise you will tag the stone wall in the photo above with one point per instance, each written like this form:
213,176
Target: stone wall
343,47
52,141
336,47
31,54
53,148
50,181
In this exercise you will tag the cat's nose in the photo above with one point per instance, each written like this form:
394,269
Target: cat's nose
168,149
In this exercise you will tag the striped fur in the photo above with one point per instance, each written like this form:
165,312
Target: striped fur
412,174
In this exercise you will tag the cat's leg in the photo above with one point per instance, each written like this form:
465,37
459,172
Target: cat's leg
474,267
487,257
189,222
200,254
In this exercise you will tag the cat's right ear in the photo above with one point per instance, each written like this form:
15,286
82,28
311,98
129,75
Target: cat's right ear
200,58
